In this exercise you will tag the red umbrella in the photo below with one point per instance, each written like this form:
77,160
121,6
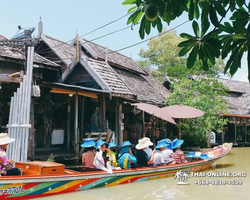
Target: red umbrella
181,111
155,111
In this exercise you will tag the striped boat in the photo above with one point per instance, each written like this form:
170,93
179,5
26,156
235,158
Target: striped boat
36,183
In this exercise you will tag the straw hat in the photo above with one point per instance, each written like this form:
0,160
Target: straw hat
5,139
126,144
143,143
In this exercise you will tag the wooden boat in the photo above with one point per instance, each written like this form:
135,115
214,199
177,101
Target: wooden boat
41,179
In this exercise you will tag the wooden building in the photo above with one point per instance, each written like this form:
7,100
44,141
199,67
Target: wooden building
91,80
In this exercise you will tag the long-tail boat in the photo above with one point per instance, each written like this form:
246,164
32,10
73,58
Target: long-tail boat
41,178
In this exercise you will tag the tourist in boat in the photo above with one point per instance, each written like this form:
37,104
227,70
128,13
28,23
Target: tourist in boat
168,151
89,154
101,161
158,157
126,157
112,146
178,154
142,157
7,166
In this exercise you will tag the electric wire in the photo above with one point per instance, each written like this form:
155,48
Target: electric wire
93,30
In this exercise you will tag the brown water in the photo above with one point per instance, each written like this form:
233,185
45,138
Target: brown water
236,161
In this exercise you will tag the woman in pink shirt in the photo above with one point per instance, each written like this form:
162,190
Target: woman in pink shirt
178,155
89,155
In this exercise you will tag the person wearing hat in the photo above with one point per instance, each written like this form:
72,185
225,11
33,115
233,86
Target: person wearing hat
178,154
7,166
101,161
168,151
142,157
126,157
158,157
113,146
89,154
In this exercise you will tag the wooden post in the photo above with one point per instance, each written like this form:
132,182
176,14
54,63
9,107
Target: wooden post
143,123
179,129
104,128
235,129
76,125
82,118
31,148
120,133
68,123
116,122
245,133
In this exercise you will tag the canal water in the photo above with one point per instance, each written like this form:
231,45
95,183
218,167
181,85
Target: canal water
237,161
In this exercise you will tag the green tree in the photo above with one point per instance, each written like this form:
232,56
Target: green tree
205,94
223,28
161,57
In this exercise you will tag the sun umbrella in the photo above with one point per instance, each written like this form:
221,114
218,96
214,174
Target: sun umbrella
182,112
154,111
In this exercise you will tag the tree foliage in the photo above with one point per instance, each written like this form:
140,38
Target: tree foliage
205,94
223,28
161,58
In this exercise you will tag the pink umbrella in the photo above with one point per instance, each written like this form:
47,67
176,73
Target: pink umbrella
155,111
181,111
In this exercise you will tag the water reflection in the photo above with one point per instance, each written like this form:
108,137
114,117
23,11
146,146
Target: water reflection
167,189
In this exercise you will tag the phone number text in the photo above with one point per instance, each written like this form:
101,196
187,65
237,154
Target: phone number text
218,182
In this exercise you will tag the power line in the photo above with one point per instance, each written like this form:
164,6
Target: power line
106,25
93,31
144,40
135,44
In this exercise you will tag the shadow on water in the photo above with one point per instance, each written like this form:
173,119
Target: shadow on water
218,166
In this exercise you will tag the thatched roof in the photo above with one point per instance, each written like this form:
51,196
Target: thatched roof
235,86
18,54
103,74
147,88
66,52
113,58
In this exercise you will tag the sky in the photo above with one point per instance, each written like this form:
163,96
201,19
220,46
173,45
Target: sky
64,19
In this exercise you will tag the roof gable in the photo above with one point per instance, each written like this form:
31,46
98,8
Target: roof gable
99,71
113,58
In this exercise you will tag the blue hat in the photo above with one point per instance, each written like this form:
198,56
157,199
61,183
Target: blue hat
204,156
112,144
88,142
99,143
176,143
168,141
161,144
191,155
126,143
